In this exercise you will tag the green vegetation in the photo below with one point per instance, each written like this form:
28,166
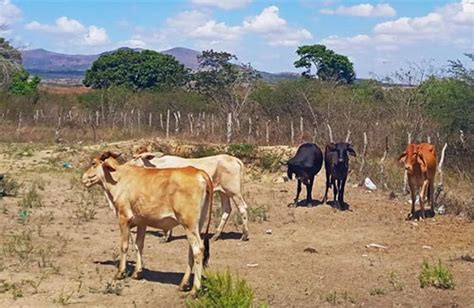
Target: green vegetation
242,150
222,290
436,275
137,70
22,84
330,66
336,298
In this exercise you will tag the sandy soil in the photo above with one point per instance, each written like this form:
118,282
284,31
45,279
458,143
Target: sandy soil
313,257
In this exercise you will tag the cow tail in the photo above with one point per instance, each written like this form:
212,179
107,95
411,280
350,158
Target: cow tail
207,248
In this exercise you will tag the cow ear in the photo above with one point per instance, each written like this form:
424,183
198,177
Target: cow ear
351,151
331,147
108,165
402,157
420,159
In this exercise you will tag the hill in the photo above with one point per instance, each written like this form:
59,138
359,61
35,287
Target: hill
70,69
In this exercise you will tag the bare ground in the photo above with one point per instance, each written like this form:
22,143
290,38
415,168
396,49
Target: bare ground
313,257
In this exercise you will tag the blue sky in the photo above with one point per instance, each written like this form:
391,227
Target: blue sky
378,36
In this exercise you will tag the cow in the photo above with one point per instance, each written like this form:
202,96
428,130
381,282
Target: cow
226,172
159,198
306,163
336,164
420,164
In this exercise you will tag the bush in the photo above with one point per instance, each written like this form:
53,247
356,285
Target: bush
221,290
242,150
203,151
437,276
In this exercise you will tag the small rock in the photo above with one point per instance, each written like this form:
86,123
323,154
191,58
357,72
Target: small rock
467,258
310,250
427,247
252,264
441,210
392,195
269,231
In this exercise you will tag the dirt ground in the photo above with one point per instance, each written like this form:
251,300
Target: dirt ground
63,250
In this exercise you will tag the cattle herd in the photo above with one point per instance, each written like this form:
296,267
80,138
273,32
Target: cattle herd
167,191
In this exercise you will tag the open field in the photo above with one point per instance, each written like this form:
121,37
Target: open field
59,243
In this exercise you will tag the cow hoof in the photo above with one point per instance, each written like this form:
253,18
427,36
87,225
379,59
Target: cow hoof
244,237
293,204
119,276
137,275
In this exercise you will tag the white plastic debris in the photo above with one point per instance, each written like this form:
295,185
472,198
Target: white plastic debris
373,245
369,184
441,210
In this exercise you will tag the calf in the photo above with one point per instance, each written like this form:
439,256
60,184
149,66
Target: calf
336,163
226,172
306,163
160,198
420,164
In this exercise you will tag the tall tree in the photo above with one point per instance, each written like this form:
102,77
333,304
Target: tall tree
225,83
329,65
137,70
10,62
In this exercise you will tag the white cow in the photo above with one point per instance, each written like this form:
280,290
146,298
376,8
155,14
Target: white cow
226,172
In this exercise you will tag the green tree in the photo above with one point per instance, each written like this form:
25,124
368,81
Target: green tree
10,62
22,84
228,85
329,65
137,70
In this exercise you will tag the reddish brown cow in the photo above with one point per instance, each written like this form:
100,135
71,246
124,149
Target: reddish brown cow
420,164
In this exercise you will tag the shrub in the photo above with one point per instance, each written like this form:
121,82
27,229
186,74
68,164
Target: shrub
8,186
221,290
203,151
437,276
242,150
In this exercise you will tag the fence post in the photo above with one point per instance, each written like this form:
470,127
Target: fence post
292,136
212,125
96,118
229,127
176,122
168,124
190,119
267,131
364,152
150,117
405,175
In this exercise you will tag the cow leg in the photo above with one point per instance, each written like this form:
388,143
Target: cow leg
413,200
309,190
341,192
187,272
242,206
125,233
197,248
334,190
139,242
167,236
298,191
226,210
423,189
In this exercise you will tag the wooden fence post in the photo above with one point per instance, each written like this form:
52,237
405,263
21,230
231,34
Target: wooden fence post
292,136
229,127
267,131
405,175
364,152
168,124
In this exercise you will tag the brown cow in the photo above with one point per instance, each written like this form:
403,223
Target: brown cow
420,164
160,198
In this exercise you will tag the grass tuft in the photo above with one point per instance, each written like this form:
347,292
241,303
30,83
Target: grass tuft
437,276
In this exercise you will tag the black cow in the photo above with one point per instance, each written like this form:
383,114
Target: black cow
305,165
336,163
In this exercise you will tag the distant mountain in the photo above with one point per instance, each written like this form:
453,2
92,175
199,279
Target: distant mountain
64,68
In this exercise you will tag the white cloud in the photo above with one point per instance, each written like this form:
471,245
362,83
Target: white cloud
76,32
216,31
267,20
10,13
223,4
275,29
363,10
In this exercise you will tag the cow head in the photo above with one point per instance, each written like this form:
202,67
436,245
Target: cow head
299,173
411,157
342,150
100,168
